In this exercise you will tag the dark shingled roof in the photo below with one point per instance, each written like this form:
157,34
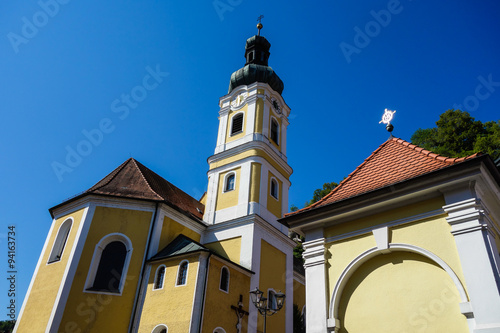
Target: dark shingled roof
135,181
180,245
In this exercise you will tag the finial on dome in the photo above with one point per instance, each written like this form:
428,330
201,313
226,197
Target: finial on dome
259,25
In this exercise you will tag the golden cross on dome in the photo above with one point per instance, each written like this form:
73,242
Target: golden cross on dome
259,25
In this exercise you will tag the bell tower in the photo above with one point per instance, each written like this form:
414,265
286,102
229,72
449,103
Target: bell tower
249,173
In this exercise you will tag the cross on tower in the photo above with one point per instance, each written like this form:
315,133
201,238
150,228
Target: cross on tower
259,25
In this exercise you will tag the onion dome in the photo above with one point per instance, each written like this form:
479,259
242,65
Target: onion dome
256,68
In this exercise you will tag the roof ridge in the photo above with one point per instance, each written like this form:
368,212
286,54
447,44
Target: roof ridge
428,153
332,192
144,177
398,146
111,176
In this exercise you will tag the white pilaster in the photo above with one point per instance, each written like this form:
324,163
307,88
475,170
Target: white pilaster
314,255
470,227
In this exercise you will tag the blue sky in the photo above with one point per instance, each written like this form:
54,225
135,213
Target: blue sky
68,67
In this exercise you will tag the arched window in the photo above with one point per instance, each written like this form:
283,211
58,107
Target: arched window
224,279
60,241
237,123
275,131
182,273
109,264
274,188
271,300
159,277
219,330
229,182
160,329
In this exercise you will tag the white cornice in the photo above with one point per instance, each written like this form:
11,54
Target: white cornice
104,201
260,145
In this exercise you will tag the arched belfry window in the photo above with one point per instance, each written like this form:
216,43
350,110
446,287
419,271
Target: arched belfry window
275,130
224,279
229,182
109,264
60,241
237,123
182,273
159,277
274,191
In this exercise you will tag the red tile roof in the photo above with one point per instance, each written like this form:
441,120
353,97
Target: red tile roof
396,160
134,180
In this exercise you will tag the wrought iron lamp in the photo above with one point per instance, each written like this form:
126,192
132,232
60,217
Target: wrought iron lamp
265,306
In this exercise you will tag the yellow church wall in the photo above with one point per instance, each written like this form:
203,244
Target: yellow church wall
228,248
48,279
171,229
259,114
274,205
255,182
217,307
373,292
230,138
299,294
97,312
341,253
230,198
400,292
272,275
250,153
172,305
388,216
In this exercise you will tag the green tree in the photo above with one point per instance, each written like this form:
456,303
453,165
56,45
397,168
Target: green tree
458,134
7,326
320,193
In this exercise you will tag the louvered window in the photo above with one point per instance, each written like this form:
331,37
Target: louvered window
274,130
237,125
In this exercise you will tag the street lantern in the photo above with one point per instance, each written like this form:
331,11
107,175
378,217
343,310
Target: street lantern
267,307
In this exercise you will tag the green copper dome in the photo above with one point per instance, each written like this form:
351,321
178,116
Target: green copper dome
256,68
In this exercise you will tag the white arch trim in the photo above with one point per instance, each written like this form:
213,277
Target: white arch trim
375,251
158,328
96,258
219,330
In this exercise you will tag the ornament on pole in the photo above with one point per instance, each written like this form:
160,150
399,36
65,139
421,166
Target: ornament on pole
259,25
386,119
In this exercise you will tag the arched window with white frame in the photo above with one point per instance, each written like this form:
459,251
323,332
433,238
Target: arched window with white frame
159,277
237,123
275,131
182,273
229,181
160,329
60,241
219,330
109,265
224,279
274,188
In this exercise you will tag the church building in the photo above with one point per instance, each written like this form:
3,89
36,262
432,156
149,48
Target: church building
136,254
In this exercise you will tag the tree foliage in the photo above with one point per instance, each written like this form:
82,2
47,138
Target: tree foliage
298,320
7,326
320,193
458,134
